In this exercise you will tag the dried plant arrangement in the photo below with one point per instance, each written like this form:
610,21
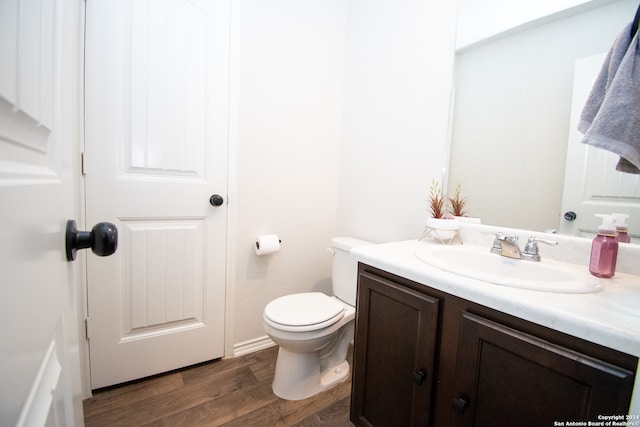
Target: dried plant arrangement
458,203
437,200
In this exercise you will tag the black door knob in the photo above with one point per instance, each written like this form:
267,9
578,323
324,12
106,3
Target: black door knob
102,239
216,200
570,215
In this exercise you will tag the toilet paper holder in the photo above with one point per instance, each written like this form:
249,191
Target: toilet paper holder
258,243
267,244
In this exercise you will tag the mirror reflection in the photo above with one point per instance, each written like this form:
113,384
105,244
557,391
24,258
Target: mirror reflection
512,108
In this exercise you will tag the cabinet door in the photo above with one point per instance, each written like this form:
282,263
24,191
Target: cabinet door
507,378
395,344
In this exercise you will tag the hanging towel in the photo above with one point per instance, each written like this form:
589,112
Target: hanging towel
611,116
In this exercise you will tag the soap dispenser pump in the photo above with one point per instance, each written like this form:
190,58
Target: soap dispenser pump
604,249
621,227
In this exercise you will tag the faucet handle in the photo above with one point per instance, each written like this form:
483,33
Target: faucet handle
496,248
531,247
501,237
534,240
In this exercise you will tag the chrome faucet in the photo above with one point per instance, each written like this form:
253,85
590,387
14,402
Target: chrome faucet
508,246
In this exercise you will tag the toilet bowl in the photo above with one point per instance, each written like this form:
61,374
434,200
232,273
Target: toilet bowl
314,331
311,358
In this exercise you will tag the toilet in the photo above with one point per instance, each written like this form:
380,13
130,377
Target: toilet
314,330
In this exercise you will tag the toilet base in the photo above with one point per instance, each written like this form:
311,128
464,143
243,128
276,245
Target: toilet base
298,375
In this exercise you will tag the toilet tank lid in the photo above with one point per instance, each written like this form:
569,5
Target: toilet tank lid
348,243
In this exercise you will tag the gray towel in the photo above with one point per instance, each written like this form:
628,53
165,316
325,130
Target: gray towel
611,116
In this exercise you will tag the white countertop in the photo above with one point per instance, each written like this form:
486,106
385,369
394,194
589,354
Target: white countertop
610,317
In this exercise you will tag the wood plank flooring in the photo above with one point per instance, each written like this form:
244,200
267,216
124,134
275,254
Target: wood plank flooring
232,392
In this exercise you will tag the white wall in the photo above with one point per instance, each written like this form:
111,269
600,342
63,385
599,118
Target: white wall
397,85
340,115
288,57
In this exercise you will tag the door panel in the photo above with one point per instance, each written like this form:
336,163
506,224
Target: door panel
39,110
156,126
168,90
161,298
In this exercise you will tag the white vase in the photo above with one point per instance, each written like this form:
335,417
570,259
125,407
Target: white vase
443,228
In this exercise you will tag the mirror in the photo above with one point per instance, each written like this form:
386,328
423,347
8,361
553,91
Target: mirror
512,107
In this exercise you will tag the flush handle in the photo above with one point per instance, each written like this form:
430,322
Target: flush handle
102,239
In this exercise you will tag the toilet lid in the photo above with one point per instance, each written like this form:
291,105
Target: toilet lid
309,308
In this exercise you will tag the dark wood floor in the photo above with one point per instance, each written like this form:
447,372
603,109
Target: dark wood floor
232,392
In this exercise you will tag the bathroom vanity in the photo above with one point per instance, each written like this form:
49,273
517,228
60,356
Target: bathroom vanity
435,348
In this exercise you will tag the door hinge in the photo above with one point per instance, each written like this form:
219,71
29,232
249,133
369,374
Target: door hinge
82,164
87,327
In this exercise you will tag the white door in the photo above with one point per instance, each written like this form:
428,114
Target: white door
592,185
156,111
39,119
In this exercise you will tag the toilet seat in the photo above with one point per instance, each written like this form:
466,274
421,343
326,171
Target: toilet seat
303,312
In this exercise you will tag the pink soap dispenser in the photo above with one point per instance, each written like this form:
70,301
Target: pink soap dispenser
604,249
620,221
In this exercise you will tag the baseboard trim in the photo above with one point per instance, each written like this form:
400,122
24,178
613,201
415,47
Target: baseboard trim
250,346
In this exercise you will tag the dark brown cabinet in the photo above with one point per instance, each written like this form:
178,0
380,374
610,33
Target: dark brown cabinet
424,357
505,378
396,347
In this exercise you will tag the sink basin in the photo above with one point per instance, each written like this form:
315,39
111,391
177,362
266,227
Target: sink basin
478,263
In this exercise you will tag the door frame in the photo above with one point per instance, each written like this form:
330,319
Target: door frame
231,228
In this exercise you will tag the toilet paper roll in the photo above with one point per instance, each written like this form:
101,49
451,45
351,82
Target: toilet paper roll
267,244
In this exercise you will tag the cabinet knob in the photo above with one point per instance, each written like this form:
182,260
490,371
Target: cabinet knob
418,377
459,404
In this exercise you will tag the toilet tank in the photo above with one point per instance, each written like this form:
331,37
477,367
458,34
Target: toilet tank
344,274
